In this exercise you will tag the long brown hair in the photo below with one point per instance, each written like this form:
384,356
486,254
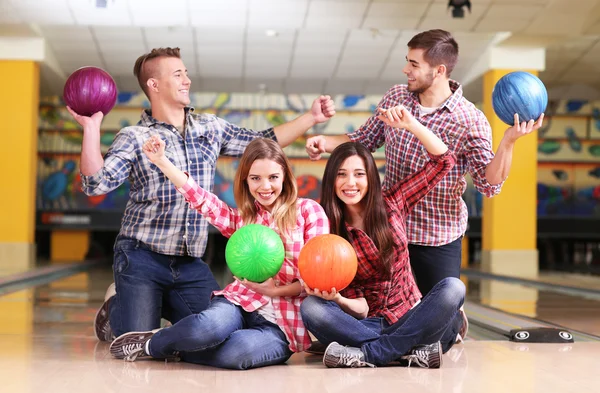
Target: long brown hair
376,222
284,208
439,48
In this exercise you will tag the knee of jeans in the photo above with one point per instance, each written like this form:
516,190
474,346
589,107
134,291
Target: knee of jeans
455,290
313,311
247,355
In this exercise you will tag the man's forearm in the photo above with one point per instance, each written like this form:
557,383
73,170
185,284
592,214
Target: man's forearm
333,141
91,155
292,130
498,169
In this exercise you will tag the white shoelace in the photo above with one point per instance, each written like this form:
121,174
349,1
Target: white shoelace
419,357
132,351
352,360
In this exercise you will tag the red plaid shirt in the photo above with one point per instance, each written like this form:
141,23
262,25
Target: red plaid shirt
392,295
311,222
442,215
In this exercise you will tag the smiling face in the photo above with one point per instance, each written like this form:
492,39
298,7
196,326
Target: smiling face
172,81
265,182
351,184
420,74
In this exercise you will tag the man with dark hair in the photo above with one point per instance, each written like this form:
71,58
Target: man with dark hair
157,267
437,224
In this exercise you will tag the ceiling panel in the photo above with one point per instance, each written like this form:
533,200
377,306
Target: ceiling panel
8,14
335,14
45,12
115,14
276,14
222,13
164,13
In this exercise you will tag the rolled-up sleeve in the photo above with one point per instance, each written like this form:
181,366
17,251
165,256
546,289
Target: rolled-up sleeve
236,138
116,168
479,153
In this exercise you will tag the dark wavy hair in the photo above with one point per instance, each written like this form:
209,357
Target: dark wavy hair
376,222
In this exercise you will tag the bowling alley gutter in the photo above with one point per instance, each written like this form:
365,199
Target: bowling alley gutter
44,275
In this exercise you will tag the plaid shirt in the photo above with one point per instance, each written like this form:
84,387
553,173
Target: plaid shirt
392,295
442,215
311,221
156,213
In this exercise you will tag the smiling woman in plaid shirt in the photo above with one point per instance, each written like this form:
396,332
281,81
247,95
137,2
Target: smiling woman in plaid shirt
158,266
436,225
381,315
247,325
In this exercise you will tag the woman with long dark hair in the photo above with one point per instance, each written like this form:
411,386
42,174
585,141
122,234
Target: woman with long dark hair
381,317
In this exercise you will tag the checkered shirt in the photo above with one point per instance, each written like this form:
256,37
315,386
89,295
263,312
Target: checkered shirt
156,213
442,215
311,221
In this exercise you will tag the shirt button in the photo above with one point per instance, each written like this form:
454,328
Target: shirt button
190,161
188,224
185,236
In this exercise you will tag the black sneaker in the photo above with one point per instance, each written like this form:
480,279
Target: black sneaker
102,329
426,356
317,348
131,346
337,355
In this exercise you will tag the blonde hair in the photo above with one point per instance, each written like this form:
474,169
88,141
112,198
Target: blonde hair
284,208
143,70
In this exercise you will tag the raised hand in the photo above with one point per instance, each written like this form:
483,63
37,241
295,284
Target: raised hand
397,117
519,130
315,146
89,123
323,109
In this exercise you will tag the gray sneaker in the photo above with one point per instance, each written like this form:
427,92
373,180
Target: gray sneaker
337,355
131,346
426,356
102,329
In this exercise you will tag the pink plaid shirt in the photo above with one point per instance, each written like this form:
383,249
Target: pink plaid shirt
311,222
441,217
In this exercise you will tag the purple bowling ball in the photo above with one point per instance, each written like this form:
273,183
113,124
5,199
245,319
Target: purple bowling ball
89,90
519,92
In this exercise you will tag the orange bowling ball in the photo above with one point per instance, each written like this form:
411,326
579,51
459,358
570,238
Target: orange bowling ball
327,261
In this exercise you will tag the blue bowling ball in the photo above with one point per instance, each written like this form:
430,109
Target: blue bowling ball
522,93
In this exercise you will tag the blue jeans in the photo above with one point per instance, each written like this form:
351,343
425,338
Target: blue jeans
432,264
436,318
224,335
151,286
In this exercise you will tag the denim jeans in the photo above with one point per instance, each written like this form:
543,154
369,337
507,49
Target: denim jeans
436,318
432,264
224,335
151,286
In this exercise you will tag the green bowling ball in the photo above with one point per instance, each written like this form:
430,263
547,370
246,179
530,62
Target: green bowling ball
254,252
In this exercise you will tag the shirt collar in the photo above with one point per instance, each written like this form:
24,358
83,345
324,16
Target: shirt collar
147,120
452,102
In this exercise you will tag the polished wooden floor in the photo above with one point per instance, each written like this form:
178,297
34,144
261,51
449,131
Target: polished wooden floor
47,345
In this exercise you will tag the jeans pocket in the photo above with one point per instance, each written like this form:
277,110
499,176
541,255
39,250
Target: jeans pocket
121,262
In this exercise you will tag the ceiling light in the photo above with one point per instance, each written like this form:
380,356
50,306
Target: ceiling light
457,7
271,33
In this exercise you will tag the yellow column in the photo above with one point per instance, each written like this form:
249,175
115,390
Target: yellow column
509,222
18,160
68,246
